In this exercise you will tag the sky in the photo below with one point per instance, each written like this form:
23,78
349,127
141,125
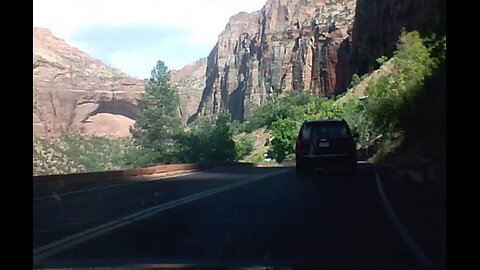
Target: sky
132,35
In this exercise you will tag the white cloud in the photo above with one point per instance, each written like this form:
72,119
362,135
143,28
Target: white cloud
203,20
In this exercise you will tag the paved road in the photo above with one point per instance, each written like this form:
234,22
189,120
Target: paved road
234,217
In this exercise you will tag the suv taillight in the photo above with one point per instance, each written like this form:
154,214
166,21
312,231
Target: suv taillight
299,144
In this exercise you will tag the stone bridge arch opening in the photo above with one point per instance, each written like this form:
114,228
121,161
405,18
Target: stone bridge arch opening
118,107
109,118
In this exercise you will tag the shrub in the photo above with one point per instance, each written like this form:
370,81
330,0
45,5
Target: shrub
284,133
243,145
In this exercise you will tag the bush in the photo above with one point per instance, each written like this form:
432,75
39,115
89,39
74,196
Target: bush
285,115
72,153
397,104
291,105
210,141
355,80
284,133
359,122
393,95
243,145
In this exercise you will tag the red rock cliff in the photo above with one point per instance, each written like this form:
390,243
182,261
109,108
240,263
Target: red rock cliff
73,92
288,45
378,24
190,81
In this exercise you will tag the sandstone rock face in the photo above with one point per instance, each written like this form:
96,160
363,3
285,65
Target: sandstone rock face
190,81
288,45
378,24
70,88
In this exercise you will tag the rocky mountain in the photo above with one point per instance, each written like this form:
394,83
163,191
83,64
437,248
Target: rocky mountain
72,92
306,45
287,45
190,81
300,45
378,24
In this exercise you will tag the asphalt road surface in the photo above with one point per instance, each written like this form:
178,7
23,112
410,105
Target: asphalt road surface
229,217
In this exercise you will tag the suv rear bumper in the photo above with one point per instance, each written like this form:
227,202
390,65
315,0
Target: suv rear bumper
327,160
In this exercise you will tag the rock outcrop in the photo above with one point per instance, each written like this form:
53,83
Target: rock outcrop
190,81
378,24
299,45
72,92
288,45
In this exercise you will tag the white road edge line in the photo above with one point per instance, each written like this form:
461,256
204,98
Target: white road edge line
406,236
112,186
43,252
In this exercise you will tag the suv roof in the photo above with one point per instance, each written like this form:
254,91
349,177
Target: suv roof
325,121
323,125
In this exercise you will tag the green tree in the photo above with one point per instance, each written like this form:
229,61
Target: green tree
158,124
395,94
222,144
394,107
208,141
284,133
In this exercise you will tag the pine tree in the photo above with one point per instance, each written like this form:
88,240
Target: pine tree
158,124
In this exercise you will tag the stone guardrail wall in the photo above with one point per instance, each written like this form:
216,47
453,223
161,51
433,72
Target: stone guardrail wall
44,185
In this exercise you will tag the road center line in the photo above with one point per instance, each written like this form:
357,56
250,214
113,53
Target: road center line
48,250
406,236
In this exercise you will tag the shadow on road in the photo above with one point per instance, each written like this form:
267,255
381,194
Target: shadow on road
46,185
339,175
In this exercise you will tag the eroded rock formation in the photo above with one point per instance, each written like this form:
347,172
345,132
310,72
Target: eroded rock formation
288,45
190,81
378,24
72,92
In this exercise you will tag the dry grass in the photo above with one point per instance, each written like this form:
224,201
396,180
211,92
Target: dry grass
75,153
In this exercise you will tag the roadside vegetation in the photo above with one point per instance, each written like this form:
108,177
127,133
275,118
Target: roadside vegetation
401,107
74,154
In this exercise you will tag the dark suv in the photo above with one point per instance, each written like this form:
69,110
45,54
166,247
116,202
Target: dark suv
327,144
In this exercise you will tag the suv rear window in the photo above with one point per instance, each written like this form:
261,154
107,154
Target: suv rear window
324,129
